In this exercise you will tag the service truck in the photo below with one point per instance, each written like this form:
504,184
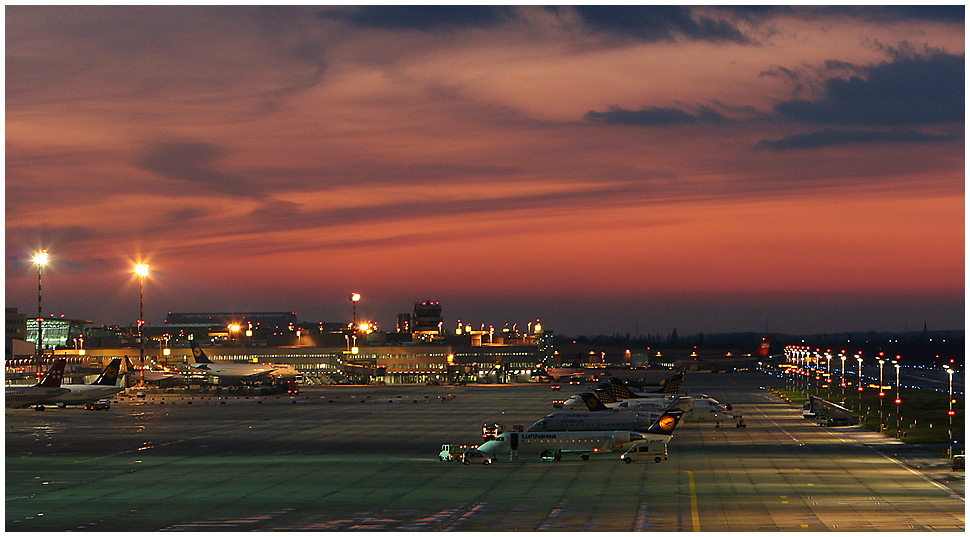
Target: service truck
451,452
653,449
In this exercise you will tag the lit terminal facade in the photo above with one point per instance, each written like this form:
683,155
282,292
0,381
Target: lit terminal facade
390,364
324,353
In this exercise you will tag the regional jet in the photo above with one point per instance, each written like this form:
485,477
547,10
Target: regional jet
154,374
103,387
608,420
49,386
704,408
229,372
583,443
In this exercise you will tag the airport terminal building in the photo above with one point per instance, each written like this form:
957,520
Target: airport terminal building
390,364
419,352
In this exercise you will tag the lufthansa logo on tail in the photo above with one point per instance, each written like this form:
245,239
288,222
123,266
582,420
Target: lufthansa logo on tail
196,351
667,423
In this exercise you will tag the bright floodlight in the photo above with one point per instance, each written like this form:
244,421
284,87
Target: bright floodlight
355,297
41,258
141,269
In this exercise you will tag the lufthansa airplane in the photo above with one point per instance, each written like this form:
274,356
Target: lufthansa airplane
228,372
582,443
607,420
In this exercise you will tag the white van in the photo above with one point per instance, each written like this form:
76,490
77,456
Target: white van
655,449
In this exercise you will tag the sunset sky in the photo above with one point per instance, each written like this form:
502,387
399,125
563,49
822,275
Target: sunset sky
606,170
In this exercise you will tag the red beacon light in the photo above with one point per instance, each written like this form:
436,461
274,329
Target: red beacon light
899,401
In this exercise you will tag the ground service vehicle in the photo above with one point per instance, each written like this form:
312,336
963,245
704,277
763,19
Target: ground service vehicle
655,449
98,405
489,432
959,462
475,456
450,452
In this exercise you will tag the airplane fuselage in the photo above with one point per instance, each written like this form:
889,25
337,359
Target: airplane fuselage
80,394
582,442
234,372
595,421
20,396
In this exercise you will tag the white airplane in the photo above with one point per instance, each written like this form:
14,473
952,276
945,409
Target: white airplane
149,374
583,443
49,386
103,387
607,420
229,372
703,408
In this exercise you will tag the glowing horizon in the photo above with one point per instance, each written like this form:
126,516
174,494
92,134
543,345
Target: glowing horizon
706,166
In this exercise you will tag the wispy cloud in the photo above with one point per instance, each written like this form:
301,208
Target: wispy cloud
526,140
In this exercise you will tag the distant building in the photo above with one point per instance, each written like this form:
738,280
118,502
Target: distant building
59,333
427,318
404,323
16,324
15,342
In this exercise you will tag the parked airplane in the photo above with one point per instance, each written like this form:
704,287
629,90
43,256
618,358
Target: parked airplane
704,408
607,419
154,374
49,386
103,387
583,443
229,372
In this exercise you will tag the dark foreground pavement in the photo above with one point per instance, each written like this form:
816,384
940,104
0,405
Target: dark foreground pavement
368,461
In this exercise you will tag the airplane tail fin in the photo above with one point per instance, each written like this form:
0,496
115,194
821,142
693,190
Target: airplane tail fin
673,384
765,345
604,396
669,419
198,355
592,402
54,375
681,403
109,377
620,389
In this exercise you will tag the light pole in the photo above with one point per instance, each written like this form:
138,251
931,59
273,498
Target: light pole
40,260
860,387
141,270
843,378
898,402
882,395
828,376
949,446
354,299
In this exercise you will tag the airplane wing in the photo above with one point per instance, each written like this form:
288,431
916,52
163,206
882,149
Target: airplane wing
260,374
